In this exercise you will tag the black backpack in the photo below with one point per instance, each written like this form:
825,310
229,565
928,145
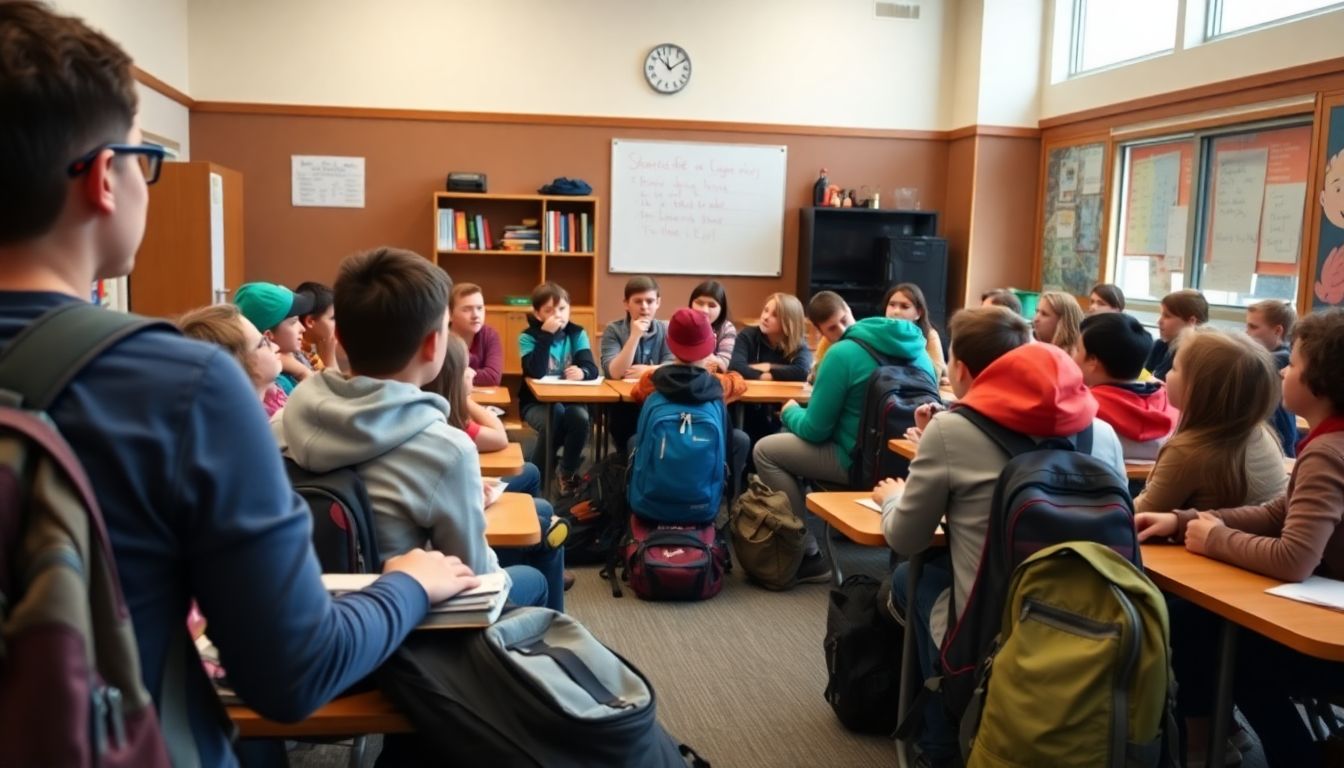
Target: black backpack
343,534
596,513
1048,493
863,656
894,390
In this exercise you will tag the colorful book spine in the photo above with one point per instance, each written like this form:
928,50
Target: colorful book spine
460,218
445,229
485,228
570,241
471,234
585,244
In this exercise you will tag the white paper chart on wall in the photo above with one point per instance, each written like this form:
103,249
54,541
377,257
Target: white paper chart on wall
324,181
697,208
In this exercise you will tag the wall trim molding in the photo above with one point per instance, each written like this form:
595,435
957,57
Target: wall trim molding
998,131
155,84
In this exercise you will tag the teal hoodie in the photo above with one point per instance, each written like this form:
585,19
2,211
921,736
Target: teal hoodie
837,395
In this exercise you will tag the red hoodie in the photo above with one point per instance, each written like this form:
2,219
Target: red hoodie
1138,411
1035,389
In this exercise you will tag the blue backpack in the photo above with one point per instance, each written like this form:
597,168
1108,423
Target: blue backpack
679,463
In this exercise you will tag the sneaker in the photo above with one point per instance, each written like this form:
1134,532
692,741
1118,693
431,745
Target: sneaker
813,570
557,534
569,579
566,482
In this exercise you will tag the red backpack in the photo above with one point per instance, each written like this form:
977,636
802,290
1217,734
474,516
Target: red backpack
71,693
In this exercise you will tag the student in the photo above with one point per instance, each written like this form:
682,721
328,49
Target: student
453,384
423,477
275,311
692,339
224,325
1270,322
710,300
1222,453
1180,310
1290,538
191,488
1111,354
820,437
1058,317
319,328
485,352
906,301
1001,297
775,350
638,341
1034,389
553,346
1105,297
830,315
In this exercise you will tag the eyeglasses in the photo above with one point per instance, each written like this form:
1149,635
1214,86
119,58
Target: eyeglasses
149,156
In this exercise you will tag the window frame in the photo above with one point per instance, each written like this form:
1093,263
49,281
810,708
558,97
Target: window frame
1213,16
1078,21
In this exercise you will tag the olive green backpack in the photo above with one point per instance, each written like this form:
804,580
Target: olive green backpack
1080,674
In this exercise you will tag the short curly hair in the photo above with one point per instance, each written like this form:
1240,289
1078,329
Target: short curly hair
1320,345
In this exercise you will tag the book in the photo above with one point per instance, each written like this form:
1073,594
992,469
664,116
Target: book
478,607
460,221
585,242
472,242
445,234
569,231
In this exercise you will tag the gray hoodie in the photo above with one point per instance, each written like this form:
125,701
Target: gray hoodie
423,476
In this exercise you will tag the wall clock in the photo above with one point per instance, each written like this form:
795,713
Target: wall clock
667,68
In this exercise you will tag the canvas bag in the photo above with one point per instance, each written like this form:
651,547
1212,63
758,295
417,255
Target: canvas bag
533,689
71,691
767,537
1095,621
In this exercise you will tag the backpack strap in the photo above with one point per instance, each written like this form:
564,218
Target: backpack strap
877,356
44,357
1015,443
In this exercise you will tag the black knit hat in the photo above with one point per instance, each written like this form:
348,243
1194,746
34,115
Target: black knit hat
1119,342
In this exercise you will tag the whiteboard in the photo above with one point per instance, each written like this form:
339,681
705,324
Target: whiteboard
697,209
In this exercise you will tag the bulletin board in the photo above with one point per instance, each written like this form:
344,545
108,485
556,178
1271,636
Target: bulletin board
1327,196
1074,186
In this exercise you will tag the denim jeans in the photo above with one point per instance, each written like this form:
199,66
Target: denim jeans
571,433
529,585
938,741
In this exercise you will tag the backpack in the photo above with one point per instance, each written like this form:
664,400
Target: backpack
1100,626
893,392
674,562
1047,493
596,513
343,533
863,656
767,537
71,693
680,461
533,689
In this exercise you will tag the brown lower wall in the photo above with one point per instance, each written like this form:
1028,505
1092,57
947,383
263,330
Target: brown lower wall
406,160
1003,222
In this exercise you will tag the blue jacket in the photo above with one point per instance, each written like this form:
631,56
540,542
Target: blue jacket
197,506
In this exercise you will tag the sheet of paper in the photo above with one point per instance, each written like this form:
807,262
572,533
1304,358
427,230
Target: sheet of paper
562,380
1091,181
322,181
1068,178
1139,207
1064,223
869,503
353,582
1316,590
1178,219
1239,192
1281,222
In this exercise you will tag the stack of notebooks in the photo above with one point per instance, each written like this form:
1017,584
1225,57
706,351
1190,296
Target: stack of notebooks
477,607
521,237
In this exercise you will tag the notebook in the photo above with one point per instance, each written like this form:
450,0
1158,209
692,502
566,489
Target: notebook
562,380
478,607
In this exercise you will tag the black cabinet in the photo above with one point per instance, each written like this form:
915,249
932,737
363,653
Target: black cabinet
860,252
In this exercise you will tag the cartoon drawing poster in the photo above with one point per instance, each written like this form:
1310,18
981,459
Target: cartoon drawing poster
1328,283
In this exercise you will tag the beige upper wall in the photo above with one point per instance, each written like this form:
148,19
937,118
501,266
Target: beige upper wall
1316,38
1011,45
809,62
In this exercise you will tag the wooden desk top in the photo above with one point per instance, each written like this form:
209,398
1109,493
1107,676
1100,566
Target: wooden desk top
777,392
622,387
902,447
504,462
573,393
497,395
512,522
858,523
360,713
1239,596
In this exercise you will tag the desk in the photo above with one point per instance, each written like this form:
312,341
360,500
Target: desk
623,388
512,522
359,713
497,395
549,394
1238,597
769,392
859,524
504,462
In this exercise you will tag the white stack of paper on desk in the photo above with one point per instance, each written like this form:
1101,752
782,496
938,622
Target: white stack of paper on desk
1316,590
563,380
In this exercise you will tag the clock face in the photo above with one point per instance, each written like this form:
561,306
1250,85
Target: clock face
667,68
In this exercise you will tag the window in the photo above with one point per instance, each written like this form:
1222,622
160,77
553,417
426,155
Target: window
1236,198
1227,17
1107,32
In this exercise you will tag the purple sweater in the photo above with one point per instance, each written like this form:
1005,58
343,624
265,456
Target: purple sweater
485,355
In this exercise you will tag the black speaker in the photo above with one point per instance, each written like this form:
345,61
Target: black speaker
922,261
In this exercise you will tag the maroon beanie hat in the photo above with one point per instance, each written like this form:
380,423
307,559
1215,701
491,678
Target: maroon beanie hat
689,336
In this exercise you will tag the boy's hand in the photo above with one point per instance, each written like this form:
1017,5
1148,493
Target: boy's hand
442,576
924,414
914,435
762,367
638,327
1197,532
712,364
637,371
552,324
790,404
573,373
1152,525
886,489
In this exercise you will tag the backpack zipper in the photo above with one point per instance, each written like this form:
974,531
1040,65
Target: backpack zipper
1066,621
1120,696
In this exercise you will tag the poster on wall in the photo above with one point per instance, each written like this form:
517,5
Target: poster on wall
1327,288
1071,231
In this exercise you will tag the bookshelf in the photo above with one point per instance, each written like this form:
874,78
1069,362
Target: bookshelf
558,247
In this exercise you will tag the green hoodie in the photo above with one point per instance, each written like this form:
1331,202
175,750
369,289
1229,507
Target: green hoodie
837,396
